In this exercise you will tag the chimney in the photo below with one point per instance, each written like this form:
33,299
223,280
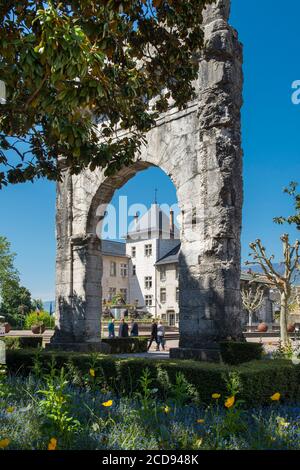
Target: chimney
171,224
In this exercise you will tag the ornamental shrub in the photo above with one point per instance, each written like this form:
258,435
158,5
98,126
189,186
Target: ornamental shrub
34,317
235,353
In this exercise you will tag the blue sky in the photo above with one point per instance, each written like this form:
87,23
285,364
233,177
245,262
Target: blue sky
269,32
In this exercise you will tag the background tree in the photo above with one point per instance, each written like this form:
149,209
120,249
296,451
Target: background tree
75,71
283,282
293,219
252,299
15,300
7,269
37,304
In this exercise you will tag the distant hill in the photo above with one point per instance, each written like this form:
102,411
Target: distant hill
278,266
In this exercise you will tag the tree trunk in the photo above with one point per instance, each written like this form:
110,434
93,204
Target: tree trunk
250,320
284,319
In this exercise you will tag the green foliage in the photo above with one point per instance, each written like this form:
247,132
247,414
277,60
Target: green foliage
58,420
126,345
15,300
34,318
285,351
291,190
11,342
19,342
234,353
182,392
70,67
7,269
258,379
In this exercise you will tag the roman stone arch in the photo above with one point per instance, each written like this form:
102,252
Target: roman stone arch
200,149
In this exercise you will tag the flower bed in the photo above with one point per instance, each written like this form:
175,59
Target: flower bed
54,413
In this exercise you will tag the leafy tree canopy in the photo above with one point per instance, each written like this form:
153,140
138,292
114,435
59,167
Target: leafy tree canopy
291,190
15,300
75,70
7,269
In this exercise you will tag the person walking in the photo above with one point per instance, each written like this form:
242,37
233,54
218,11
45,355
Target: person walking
123,329
134,328
153,335
111,328
161,335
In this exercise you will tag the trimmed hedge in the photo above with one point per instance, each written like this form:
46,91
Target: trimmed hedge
126,345
259,379
19,342
235,353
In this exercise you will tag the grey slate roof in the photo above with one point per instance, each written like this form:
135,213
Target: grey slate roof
114,248
171,257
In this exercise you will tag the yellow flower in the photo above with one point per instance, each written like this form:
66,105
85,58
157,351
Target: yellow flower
200,421
275,397
282,422
199,442
216,396
52,444
229,402
10,409
92,373
167,409
4,443
107,403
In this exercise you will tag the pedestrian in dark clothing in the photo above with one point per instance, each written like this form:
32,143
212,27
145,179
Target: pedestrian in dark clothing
153,335
123,329
134,330
111,328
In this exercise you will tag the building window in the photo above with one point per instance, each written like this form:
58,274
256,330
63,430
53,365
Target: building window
148,282
177,272
112,293
163,295
124,269
177,294
134,270
148,250
163,273
123,293
133,252
113,268
148,300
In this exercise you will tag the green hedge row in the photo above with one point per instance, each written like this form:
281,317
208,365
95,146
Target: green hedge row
259,379
235,353
19,342
126,345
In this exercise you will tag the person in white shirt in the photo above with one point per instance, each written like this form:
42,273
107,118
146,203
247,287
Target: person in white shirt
161,335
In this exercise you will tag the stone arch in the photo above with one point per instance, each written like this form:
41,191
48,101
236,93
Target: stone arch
199,147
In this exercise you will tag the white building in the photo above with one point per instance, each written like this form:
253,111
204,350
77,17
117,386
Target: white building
149,239
135,269
115,271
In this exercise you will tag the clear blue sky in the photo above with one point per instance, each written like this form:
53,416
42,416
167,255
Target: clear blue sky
269,30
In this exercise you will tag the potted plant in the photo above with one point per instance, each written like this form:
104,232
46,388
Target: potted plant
38,328
291,327
7,327
262,327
